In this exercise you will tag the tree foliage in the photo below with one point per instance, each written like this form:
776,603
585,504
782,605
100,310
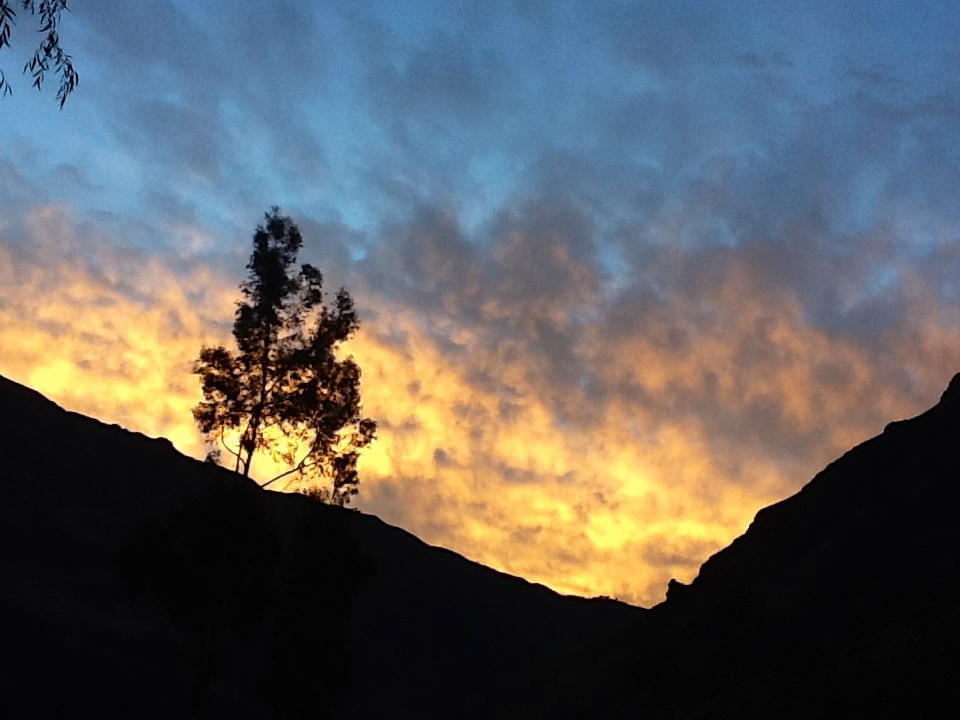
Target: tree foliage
48,53
284,390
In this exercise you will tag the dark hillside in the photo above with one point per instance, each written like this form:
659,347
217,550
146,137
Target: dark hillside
140,583
840,601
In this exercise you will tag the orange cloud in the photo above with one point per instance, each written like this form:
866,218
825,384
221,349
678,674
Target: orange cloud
686,438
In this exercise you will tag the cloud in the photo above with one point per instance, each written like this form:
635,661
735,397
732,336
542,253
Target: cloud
626,273
603,456
104,330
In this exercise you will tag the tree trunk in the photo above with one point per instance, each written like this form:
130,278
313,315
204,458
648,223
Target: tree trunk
257,414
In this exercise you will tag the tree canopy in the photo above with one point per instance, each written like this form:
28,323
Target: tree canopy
48,53
284,390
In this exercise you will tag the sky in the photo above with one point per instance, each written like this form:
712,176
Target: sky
627,272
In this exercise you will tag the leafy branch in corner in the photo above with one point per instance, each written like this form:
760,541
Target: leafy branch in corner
49,54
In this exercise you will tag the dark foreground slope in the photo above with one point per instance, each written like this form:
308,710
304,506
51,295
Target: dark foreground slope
140,583
840,601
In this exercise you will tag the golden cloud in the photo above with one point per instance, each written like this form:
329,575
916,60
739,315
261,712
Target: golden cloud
671,457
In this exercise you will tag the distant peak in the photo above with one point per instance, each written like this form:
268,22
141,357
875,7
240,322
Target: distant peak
951,396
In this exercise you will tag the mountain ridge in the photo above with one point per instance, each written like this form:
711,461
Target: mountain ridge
142,574
123,524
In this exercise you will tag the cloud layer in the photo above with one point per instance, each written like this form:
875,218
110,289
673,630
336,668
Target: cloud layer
614,299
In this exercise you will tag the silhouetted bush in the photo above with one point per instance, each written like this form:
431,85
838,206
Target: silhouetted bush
285,391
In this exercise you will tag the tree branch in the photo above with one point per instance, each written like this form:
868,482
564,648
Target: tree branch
300,466
227,447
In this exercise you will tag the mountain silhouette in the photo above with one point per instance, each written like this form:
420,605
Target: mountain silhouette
138,582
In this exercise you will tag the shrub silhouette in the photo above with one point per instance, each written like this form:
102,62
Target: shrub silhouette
285,391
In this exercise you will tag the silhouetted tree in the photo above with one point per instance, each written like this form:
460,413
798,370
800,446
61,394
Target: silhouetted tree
48,52
284,390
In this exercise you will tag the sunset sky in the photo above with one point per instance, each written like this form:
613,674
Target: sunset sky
627,271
